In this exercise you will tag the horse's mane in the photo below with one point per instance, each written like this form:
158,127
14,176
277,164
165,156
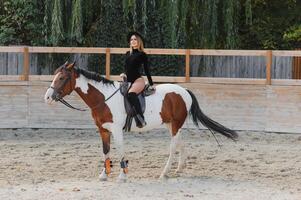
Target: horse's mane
94,76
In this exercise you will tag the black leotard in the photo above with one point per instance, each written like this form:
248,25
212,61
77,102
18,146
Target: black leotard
133,65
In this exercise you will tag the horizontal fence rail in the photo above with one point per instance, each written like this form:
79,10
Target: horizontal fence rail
267,54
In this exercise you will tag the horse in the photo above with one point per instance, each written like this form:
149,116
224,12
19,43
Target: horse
170,105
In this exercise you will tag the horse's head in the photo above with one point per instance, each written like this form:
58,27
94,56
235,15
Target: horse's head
63,83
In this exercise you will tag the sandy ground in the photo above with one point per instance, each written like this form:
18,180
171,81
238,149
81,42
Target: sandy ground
64,164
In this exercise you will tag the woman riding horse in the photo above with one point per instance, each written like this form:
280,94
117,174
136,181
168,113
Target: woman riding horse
171,105
135,58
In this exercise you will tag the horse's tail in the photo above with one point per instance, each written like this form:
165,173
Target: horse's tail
198,115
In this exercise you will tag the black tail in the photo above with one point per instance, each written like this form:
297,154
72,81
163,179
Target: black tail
198,115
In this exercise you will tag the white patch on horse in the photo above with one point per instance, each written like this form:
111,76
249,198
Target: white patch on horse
54,79
48,96
82,83
107,126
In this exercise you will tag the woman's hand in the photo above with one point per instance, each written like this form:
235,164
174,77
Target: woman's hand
152,88
123,76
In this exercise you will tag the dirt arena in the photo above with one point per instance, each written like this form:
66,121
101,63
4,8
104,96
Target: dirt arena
64,164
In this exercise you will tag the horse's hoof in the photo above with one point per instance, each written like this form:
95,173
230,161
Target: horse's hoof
122,178
180,169
103,178
163,177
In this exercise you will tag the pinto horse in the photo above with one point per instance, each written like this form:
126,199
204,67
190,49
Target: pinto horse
170,105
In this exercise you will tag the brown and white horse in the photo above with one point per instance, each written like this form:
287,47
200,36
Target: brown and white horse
170,105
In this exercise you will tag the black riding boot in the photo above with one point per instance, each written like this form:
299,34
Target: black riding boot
138,115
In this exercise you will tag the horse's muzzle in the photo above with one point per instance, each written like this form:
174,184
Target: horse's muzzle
49,96
56,96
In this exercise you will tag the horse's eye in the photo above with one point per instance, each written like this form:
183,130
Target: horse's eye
61,78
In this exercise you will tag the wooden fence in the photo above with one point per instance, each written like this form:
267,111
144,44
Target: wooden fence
267,54
265,104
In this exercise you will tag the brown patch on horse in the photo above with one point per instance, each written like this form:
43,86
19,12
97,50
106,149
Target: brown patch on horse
173,111
106,139
101,112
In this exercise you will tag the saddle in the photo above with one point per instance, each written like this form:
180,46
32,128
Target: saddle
124,88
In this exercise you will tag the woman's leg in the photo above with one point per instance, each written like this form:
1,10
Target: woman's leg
137,86
135,89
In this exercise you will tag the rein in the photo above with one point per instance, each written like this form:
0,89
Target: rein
63,101
112,94
107,98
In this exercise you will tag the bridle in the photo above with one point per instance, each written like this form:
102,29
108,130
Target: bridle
57,92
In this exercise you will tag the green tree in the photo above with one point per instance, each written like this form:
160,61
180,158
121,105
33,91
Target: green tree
293,36
270,22
21,22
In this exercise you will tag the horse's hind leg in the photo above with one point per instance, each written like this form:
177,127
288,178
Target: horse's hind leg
182,156
173,113
172,150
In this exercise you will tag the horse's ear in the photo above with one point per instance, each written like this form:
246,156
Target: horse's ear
70,66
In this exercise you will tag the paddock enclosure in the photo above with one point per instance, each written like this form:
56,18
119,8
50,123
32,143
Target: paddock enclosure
261,104
53,152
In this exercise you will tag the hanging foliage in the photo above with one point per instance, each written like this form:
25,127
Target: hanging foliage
128,6
167,23
57,29
47,20
76,33
172,20
210,22
230,14
248,12
153,23
182,7
139,16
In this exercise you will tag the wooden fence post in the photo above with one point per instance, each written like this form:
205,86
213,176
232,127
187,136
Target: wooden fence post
269,60
108,63
187,65
296,66
25,64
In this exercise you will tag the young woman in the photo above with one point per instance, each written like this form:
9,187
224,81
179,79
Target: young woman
135,59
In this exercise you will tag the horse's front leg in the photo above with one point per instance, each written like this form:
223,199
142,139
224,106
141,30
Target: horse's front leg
118,138
105,136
